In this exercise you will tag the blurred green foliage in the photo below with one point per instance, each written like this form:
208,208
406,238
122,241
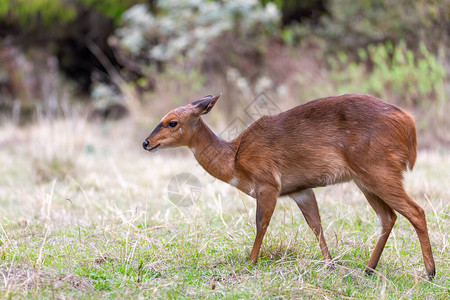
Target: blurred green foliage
49,12
353,24
390,72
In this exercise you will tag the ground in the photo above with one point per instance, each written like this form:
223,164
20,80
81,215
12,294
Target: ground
86,213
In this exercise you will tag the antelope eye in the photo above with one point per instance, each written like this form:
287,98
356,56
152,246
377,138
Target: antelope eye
172,124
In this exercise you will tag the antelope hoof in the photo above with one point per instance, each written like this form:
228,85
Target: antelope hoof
368,271
331,266
431,275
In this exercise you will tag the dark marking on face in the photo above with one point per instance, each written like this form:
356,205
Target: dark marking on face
156,130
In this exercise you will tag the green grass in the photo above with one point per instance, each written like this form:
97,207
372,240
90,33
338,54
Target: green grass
84,214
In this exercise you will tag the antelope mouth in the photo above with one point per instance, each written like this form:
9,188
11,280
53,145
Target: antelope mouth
154,148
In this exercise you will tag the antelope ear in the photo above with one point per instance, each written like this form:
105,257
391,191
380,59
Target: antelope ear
204,105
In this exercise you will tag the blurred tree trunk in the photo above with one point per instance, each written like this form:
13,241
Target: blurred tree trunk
15,84
76,60
297,11
444,47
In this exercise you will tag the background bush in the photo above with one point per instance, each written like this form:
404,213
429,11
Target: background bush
122,57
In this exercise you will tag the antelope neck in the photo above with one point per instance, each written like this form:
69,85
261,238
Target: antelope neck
214,154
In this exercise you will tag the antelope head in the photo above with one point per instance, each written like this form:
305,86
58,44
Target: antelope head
177,126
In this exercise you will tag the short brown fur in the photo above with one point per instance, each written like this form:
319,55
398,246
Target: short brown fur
322,142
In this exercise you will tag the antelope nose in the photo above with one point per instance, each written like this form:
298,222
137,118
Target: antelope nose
145,144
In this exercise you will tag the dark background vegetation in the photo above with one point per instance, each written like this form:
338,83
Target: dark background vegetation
116,58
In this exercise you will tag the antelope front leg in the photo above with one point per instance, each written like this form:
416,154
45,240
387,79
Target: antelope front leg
266,200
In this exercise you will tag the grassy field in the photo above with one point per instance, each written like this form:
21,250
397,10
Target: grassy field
85,214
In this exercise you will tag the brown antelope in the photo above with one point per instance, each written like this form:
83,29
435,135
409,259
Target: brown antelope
322,142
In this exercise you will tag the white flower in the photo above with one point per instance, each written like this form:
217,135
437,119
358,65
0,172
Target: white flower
160,52
132,40
282,90
272,12
263,84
